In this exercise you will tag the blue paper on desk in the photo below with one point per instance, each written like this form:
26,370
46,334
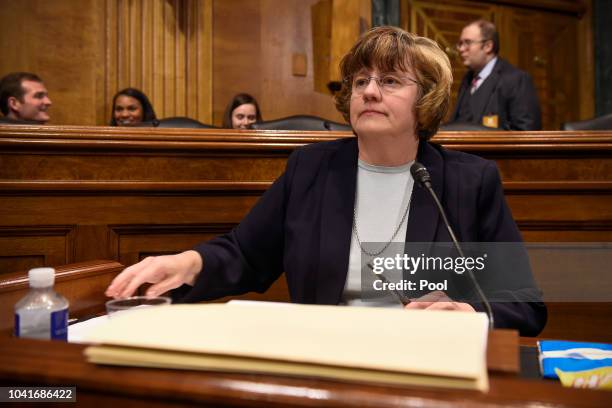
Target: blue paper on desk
569,356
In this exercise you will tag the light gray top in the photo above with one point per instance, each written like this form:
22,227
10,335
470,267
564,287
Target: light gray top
382,197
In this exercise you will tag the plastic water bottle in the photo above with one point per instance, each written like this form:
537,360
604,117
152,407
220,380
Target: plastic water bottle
42,313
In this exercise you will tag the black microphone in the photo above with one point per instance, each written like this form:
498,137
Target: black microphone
421,176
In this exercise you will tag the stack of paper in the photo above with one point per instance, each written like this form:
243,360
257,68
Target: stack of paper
445,349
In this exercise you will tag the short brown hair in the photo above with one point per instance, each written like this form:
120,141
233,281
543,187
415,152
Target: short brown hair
488,32
391,48
10,86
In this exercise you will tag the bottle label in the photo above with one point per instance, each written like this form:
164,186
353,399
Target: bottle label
59,325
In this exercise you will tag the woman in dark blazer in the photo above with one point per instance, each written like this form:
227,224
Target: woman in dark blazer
315,219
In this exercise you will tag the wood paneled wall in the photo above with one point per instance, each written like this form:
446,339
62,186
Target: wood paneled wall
63,42
86,51
253,45
192,56
163,47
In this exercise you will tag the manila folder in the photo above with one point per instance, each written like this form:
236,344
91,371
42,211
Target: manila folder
390,346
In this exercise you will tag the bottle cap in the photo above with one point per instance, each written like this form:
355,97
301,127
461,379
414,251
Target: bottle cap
41,277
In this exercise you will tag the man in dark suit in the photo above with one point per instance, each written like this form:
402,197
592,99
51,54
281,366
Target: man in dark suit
493,93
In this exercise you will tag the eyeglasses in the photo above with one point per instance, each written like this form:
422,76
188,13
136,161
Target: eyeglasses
468,43
388,83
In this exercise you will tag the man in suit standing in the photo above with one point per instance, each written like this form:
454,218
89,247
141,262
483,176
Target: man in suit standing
493,93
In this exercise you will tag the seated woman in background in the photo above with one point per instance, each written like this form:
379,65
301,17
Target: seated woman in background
131,107
241,112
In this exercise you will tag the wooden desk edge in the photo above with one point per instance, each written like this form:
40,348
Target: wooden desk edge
34,362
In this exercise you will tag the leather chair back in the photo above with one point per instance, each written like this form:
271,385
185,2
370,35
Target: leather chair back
465,126
300,122
599,123
183,122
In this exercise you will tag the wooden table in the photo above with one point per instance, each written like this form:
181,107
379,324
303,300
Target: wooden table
27,362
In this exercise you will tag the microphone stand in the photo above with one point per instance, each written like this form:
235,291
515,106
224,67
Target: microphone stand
421,175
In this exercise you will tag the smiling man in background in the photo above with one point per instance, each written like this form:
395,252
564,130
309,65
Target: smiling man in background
493,93
24,98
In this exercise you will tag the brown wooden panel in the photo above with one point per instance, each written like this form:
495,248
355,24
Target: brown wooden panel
160,46
539,207
545,45
579,321
137,192
253,44
60,363
144,209
236,45
137,167
163,48
22,248
136,242
48,38
321,15
577,233
22,262
349,20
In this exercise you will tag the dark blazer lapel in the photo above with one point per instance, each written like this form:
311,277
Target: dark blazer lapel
482,96
423,218
336,224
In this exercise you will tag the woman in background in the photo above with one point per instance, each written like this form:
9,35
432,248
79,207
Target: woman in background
241,112
131,107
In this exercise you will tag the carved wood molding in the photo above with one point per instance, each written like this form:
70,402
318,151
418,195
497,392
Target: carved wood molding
186,140
24,242
121,133
164,48
141,187
36,231
253,187
138,229
565,225
542,141
561,6
552,187
19,280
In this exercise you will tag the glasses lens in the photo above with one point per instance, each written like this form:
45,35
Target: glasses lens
386,83
466,43
360,83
